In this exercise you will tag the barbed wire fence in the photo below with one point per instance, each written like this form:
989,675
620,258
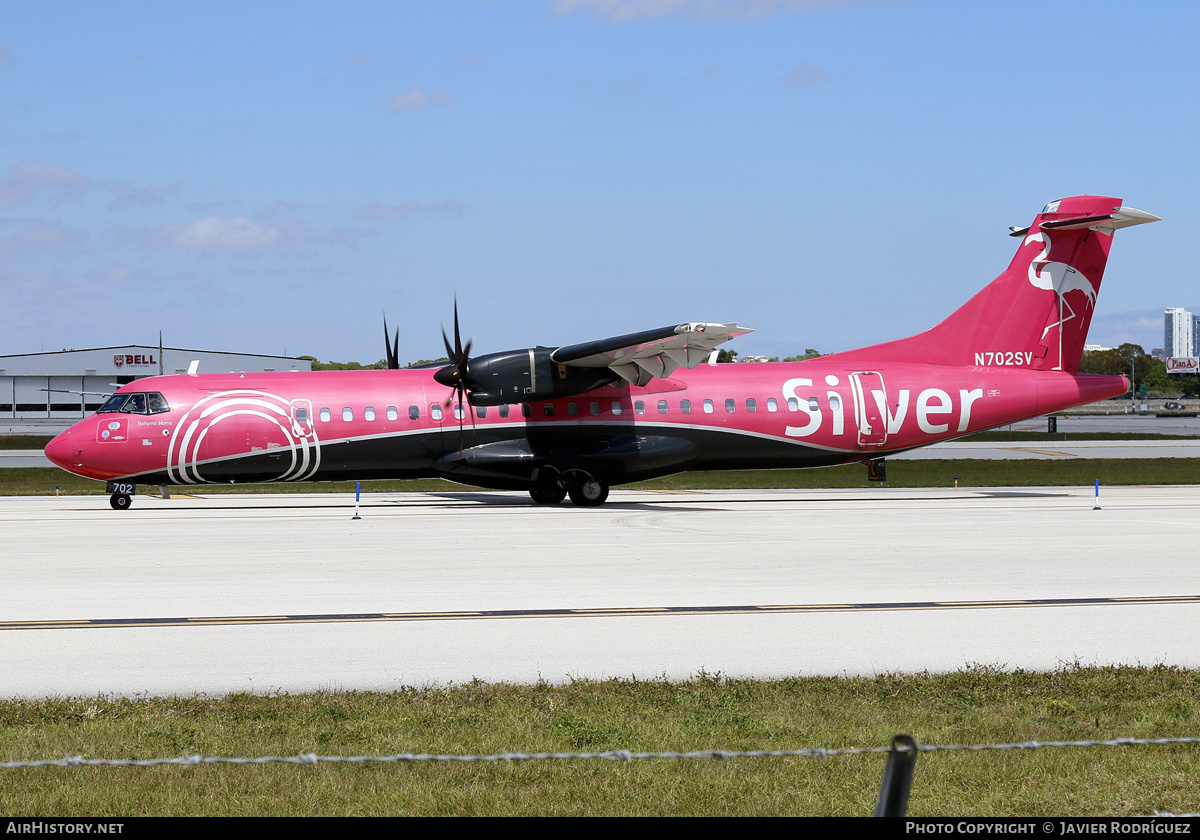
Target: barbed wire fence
893,793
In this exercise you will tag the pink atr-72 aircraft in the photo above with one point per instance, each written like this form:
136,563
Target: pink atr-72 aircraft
577,419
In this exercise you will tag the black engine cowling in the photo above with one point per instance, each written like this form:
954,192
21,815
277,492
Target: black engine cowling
517,376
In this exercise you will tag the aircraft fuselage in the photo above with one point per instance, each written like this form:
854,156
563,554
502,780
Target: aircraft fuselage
362,425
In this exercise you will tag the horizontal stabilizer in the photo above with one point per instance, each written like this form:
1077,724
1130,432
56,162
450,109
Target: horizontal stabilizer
1122,217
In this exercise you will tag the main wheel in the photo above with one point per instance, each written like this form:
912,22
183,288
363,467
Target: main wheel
549,494
120,501
588,490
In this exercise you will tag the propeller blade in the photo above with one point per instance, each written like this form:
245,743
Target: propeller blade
393,350
457,357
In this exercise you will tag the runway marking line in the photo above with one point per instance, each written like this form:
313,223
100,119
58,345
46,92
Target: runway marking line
1037,451
600,612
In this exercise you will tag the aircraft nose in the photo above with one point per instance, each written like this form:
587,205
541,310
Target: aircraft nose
63,451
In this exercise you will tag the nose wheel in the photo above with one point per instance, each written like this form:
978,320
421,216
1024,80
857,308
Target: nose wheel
120,501
587,490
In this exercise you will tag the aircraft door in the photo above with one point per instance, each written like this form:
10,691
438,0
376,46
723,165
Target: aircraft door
870,399
302,418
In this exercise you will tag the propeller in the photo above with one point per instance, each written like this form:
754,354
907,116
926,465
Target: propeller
454,375
393,348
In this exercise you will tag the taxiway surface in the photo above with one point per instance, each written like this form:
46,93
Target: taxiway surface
289,593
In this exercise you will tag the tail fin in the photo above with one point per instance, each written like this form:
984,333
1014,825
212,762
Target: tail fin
1037,313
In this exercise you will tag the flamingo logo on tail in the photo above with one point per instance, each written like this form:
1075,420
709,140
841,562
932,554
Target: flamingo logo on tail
1059,278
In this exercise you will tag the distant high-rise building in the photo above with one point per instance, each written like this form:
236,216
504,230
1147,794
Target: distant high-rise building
1178,332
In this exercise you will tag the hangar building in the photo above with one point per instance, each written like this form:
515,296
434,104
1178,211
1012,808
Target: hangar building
74,383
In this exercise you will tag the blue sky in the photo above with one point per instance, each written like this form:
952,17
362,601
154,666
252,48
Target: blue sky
271,177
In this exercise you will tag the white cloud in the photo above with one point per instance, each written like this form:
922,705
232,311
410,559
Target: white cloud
26,180
149,195
385,212
213,234
805,74
416,100
450,207
388,211
622,11
37,233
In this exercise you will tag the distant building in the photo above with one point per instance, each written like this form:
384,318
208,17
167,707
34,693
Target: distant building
1095,348
1178,332
72,383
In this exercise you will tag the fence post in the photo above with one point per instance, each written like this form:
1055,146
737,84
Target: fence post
897,777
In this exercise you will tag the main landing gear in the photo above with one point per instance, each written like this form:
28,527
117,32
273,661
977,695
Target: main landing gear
585,490
549,493
120,501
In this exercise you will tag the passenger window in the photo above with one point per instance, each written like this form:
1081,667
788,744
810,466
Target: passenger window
435,411
662,406
392,413
301,415
504,411
594,408
772,404
572,409
158,403
616,407
751,405
481,411
347,414
834,402
526,410
414,412
793,404
708,407
639,407
730,405
369,413
459,414
325,415
813,405
548,408
685,406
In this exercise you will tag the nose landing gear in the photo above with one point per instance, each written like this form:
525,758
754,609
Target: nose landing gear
120,501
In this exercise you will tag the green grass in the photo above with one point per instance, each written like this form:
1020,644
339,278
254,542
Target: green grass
24,441
976,705
1073,472
1066,437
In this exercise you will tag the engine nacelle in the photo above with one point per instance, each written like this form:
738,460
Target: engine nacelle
518,376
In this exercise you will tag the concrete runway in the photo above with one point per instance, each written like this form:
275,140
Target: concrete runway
288,593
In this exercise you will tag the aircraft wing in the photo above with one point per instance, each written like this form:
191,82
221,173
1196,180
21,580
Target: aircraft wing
639,357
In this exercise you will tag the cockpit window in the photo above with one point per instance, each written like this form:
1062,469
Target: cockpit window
113,403
152,403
